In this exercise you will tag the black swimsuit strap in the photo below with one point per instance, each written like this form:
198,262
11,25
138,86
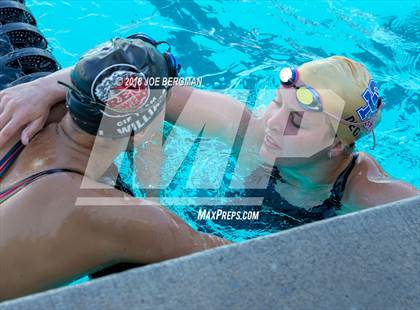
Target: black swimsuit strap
10,157
339,186
332,203
14,152
19,185
36,176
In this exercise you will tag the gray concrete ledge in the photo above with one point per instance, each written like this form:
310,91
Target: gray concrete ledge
365,260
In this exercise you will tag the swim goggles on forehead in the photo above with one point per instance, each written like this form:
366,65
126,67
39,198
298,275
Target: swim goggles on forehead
309,99
174,67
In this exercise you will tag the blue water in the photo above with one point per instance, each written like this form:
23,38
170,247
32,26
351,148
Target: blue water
242,44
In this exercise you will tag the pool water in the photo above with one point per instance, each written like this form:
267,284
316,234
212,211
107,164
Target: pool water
237,45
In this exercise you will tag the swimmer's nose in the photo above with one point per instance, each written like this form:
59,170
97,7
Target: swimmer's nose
276,122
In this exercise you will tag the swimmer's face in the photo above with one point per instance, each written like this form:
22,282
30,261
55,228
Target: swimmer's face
291,132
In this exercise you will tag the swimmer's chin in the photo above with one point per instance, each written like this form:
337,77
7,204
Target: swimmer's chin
268,156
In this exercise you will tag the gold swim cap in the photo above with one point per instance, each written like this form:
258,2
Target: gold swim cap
339,79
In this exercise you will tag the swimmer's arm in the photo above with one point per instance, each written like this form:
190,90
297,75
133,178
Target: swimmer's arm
147,233
84,238
162,237
192,108
54,91
142,231
27,106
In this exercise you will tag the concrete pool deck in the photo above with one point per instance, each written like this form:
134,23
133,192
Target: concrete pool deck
364,260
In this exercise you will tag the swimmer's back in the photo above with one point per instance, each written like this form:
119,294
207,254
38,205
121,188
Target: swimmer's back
56,114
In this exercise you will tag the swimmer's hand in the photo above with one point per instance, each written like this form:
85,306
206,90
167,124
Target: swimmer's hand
27,106
22,106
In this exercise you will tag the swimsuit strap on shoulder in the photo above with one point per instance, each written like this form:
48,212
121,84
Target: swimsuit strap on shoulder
17,186
339,186
10,157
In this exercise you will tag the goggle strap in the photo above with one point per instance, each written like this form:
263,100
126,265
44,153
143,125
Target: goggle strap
374,139
148,39
359,124
164,42
71,88
175,66
292,84
143,37
79,93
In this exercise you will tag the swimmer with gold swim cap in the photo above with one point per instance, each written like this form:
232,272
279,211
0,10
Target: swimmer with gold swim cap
307,134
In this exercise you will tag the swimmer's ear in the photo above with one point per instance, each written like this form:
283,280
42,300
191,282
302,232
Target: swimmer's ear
336,149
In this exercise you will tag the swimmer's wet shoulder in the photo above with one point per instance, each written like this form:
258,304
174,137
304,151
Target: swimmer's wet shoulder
47,151
369,185
7,177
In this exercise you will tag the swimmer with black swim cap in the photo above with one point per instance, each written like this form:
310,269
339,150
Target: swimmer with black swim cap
110,86
50,169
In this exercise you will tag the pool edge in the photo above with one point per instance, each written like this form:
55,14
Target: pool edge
354,257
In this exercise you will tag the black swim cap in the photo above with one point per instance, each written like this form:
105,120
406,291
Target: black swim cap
111,95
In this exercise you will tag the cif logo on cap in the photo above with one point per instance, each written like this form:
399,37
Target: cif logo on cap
123,91
371,97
